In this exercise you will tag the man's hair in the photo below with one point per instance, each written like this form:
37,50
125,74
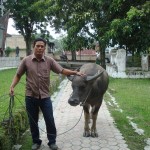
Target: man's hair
39,39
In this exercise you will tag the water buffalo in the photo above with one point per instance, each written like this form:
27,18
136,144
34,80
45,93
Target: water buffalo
88,91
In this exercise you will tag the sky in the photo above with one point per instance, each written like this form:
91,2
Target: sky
11,30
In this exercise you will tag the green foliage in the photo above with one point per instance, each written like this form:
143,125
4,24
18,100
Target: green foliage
12,127
5,142
27,19
133,61
125,22
8,50
131,27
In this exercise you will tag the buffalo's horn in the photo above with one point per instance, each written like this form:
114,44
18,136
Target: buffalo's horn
98,74
71,77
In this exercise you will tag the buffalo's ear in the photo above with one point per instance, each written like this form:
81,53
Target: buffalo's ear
98,74
71,77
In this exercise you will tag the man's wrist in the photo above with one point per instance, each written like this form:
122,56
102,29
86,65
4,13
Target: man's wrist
76,72
12,86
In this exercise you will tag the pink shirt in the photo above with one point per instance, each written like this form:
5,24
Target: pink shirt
38,75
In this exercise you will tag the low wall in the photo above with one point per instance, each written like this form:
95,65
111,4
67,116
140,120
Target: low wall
78,57
9,62
129,73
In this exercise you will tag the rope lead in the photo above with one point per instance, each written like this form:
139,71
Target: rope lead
11,119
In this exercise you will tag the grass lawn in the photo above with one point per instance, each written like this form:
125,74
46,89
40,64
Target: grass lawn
6,77
133,98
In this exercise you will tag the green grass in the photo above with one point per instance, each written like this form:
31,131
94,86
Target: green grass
133,97
6,77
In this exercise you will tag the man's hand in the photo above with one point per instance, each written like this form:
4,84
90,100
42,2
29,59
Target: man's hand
14,83
11,91
80,74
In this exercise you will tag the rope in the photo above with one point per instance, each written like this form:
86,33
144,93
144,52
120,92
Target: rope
82,104
49,133
11,119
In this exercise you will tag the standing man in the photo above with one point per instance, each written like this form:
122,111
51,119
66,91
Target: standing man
17,51
37,68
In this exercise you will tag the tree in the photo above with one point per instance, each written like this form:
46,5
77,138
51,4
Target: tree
86,17
126,22
133,28
27,19
75,44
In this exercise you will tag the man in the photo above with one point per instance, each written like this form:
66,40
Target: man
17,51
37,68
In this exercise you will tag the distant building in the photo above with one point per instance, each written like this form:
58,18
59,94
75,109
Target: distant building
18,40
14,41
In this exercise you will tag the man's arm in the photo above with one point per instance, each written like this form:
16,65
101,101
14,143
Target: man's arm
14,83
71,72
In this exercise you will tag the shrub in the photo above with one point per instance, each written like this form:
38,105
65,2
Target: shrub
8,50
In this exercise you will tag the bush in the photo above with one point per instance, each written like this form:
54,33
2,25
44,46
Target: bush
8,50
12,130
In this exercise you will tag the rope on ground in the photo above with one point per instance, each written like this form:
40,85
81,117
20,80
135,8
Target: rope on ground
11,118
49,133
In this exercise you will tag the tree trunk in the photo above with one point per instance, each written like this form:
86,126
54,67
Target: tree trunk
28,46
73,55
102,55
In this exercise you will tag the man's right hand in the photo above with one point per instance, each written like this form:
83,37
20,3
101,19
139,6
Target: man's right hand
11,91
14,83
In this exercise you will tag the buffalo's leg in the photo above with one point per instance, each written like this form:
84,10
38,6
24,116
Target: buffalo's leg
94,114
87,118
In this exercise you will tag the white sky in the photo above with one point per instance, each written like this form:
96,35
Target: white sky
12,30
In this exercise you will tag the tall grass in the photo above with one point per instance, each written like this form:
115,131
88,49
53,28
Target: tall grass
133,98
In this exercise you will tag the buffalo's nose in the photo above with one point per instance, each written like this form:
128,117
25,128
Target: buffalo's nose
73,101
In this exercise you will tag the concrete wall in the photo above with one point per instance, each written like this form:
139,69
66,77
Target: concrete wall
14,41
9,62
117,67
78,57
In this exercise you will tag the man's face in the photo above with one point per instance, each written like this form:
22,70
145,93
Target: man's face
39,48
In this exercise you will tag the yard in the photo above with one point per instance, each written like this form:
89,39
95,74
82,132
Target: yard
128,101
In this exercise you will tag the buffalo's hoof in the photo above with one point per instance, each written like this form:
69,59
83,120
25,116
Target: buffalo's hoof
94,134
86,134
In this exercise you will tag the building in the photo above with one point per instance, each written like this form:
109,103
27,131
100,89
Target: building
15,40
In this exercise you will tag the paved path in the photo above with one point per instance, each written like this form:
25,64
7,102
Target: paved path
67,116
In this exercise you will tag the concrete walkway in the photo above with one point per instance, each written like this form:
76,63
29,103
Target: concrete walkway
66,117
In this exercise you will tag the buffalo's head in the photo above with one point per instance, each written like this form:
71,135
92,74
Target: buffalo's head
81,86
